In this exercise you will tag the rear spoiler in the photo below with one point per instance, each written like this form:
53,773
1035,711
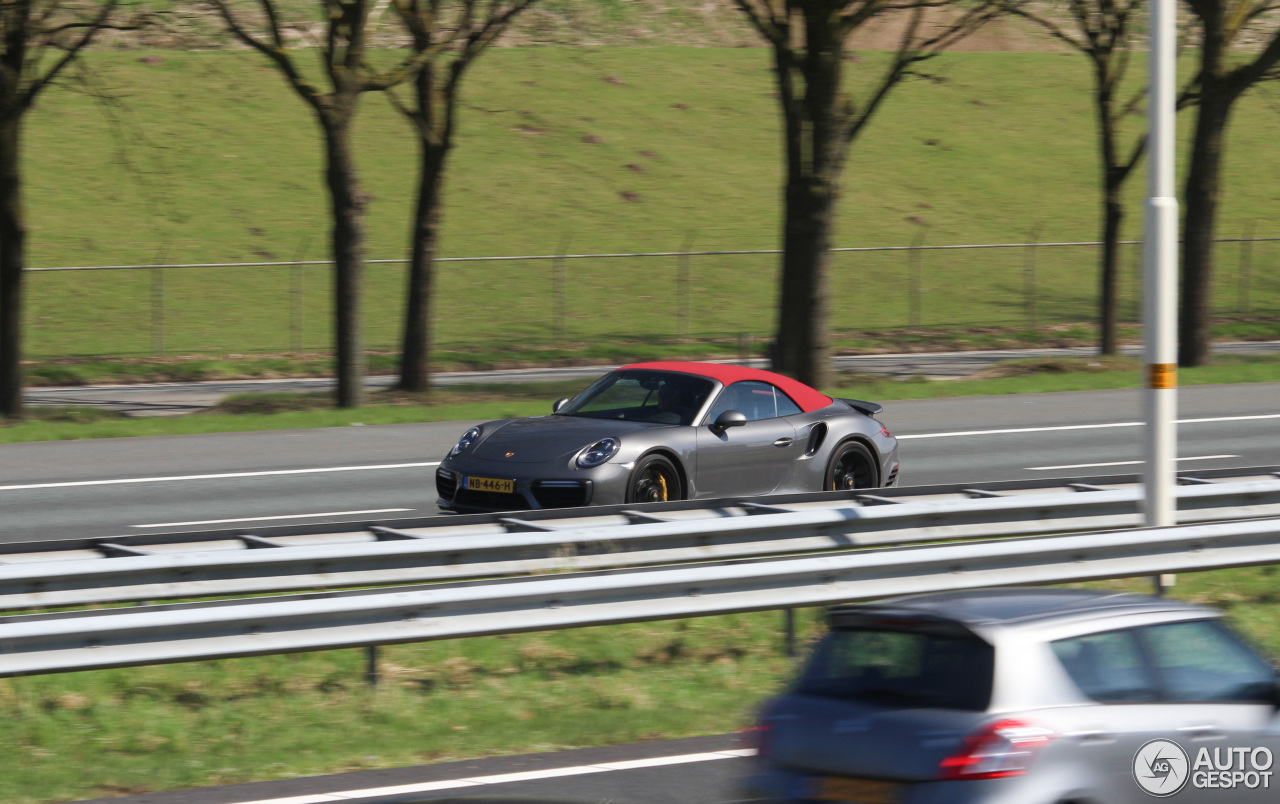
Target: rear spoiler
877,617
869,408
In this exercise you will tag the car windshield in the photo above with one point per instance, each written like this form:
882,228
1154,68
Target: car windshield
901,669
635,395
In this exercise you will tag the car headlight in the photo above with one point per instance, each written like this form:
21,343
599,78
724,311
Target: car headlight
468,438
598,453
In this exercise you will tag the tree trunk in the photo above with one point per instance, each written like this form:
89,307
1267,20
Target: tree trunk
1203,180
1112,216
1112,211
803,345
815,150
415,362
12,244
348,260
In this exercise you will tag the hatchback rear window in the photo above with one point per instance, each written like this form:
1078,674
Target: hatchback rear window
901,669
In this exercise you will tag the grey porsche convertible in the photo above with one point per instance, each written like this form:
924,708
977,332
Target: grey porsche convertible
652,432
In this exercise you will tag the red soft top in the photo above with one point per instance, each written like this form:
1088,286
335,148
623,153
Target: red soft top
804,396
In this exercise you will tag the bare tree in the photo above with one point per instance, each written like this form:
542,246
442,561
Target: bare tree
39,39
452,47
821,118
348,74
1225,74
1103,31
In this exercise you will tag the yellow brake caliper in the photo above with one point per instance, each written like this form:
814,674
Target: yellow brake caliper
662,481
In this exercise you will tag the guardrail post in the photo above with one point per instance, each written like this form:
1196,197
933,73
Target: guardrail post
371,665
789,628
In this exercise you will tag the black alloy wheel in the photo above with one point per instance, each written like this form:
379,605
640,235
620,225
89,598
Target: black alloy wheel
654,479
852,467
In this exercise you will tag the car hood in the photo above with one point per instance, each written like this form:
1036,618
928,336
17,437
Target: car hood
547,438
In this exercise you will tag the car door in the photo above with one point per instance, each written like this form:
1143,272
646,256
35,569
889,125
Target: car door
1222,694
1111,669
752,459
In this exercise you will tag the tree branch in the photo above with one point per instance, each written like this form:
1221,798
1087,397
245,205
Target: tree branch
279,55
39,83
770,27
1245,76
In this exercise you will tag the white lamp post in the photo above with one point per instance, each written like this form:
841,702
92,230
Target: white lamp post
1160,274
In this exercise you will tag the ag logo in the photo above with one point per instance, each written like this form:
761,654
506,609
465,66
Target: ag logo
1161,768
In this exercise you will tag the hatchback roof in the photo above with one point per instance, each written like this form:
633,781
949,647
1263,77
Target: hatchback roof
994,607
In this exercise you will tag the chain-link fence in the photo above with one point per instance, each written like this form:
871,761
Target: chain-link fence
498,303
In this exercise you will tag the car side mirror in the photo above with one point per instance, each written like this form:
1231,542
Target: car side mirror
559,403
730,418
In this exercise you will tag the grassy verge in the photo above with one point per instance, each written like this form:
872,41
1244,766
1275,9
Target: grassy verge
593,150
194,368
480,402
160,728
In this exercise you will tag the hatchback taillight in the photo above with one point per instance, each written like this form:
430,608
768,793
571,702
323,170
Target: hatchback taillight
999,749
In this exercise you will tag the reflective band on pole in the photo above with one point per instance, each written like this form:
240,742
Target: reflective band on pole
1161,376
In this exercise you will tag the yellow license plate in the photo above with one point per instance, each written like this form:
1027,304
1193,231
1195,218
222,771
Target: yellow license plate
491,484
861,791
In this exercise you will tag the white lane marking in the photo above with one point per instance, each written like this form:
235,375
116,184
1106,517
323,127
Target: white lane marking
265,518
1084,427
222,476
1122,463
505,778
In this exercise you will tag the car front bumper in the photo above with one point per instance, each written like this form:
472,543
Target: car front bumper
536,486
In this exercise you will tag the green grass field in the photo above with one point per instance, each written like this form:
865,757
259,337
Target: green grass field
207,157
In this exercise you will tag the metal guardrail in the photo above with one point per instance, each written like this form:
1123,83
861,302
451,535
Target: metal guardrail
449,549
50,643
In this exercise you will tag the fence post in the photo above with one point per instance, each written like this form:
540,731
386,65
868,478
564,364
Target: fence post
371,665
1029,276
682,286
789,629
297,310
1246,264
914,271
157,312
557,290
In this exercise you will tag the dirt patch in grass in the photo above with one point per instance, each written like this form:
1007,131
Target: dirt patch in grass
67,414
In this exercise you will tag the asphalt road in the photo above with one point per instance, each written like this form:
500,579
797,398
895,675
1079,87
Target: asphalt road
699,770
107,487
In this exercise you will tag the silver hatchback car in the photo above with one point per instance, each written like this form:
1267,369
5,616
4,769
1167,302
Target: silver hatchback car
1034,696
